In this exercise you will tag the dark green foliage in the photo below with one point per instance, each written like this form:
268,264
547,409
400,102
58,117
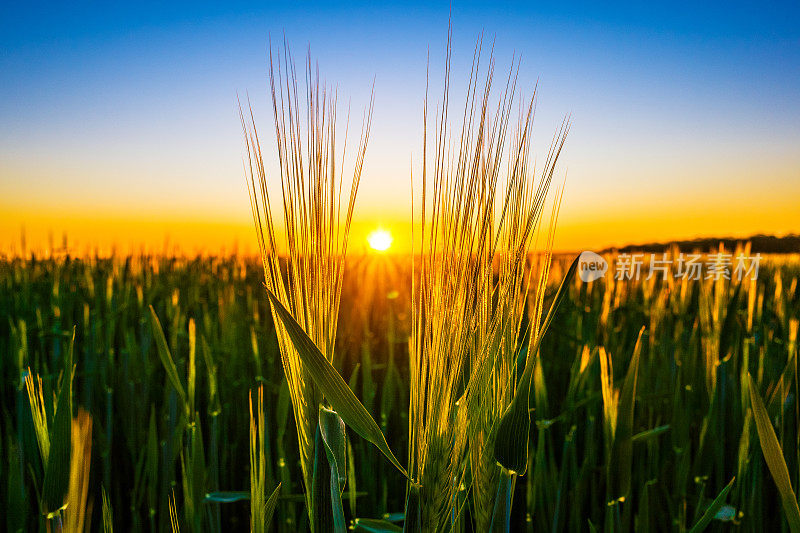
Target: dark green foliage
511,443
687,441
56,472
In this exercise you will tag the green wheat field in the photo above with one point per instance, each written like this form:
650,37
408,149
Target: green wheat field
477,383
710,425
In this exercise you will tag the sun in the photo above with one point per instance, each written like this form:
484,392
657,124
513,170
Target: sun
380,240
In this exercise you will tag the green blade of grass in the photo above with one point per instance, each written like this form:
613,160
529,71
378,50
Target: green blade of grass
272,501
324,514
412,519
334,437
351,479
727,331
648,434
108,513
511,444
773,455
621,459
712,509
192,366
501,514
57,470
331,384
334,440
166,357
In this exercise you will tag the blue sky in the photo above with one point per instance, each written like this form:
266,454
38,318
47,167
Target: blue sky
685,116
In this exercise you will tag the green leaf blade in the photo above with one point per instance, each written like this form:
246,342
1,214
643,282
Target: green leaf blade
773,455
332,385
712,510
621,458
166,357
57,469
511,442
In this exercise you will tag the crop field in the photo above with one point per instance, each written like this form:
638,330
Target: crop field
438,347
656,404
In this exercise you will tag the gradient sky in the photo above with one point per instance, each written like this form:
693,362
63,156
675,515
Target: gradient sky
120,124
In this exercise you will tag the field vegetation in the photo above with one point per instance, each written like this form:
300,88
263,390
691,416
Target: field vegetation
713,394
476,384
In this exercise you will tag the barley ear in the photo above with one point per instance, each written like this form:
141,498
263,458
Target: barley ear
511,443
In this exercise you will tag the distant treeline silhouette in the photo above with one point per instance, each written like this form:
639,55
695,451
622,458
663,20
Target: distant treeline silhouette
765,244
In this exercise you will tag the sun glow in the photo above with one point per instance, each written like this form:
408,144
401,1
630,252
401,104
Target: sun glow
380,240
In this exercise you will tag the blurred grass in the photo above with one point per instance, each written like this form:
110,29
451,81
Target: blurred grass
155,434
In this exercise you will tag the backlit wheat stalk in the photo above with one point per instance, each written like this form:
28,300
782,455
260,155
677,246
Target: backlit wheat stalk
315,223
467,314
499,335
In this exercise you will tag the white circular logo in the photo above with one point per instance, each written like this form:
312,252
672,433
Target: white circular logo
591,266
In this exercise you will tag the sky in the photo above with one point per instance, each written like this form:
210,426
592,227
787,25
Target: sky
119,124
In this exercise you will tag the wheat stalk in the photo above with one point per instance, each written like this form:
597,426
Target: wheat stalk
479,212
315,227
455,240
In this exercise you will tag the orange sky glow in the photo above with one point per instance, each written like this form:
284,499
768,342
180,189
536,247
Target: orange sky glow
122,132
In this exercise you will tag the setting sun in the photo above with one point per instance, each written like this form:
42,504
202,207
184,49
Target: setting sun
380,240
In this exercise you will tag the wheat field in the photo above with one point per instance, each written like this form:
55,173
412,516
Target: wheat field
711,423
479,382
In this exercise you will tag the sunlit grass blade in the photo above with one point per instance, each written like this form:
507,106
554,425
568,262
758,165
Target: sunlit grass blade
621,457
332,385
33,386
173,514
108,513
773,455
75,514
258,468
269,506
712,509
